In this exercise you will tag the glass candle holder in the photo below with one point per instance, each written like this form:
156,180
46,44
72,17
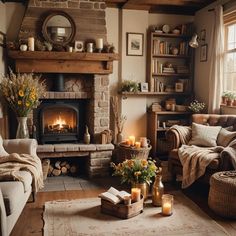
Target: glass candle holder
167,204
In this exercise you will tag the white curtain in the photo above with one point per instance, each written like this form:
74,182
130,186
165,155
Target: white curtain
216,61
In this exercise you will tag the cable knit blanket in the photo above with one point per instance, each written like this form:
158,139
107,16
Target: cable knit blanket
11,165
195,159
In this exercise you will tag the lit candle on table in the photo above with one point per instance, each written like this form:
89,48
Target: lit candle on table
137,144
132,140
167,204
135,194
127,142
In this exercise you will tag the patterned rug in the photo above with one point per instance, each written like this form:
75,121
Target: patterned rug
83,218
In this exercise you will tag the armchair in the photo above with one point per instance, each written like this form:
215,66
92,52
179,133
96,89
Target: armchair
176,140
15,194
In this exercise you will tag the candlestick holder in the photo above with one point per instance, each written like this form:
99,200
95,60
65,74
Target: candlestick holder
167,204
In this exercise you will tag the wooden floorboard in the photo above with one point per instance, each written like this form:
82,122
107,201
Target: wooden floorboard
31,222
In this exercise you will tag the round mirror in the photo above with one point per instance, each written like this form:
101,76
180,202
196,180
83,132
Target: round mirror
58,28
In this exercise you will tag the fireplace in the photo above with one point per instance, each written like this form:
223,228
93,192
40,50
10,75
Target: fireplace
61,120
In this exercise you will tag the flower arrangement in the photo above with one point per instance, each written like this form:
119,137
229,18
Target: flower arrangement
196,106
22,92
135,171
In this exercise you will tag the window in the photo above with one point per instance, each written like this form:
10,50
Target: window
230,54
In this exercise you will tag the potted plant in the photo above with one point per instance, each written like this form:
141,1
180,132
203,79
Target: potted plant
137,172
229,96
129,86
196,106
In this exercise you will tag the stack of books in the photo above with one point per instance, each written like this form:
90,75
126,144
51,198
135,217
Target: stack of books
168,70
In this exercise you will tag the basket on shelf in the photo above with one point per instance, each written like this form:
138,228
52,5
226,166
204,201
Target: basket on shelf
127,152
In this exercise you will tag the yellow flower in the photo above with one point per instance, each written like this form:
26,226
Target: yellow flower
19,102
137,173
27,104
21,93
130,163
144,162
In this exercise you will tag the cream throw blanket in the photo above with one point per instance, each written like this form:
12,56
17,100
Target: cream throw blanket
195,159
11,165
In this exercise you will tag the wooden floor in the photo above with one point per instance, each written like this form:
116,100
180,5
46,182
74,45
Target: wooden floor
31,223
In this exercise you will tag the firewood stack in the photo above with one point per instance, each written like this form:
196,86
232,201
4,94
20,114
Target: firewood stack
62,168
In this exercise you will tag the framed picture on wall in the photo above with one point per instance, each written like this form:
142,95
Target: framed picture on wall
134,44
2,39
203,36
203,52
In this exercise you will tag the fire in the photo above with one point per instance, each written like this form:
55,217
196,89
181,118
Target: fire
59,121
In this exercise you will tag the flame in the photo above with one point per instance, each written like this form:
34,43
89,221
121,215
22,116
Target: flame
59,121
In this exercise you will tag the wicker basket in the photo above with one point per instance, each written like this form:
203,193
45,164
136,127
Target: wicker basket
127,152
222,194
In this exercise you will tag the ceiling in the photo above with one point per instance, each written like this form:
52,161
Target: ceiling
183,7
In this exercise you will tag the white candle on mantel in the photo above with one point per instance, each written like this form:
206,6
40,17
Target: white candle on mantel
99,44
31,43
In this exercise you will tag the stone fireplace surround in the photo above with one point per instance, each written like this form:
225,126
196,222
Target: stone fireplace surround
86,75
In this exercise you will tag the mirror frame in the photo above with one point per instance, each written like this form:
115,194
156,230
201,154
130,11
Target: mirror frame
73,28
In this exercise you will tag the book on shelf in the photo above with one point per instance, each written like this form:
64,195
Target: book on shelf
182,69
168,70
156,66
113,195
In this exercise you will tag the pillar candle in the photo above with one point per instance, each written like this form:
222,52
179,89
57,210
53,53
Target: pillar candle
99,43
137,144
135,194
31,43
132,140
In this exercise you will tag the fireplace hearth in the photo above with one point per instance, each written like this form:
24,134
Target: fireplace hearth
61,120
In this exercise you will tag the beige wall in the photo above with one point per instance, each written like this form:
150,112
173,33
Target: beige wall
134,67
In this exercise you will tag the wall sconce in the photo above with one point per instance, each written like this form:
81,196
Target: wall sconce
193,42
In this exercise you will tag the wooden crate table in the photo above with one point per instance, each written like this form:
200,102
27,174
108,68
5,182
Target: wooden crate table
121,210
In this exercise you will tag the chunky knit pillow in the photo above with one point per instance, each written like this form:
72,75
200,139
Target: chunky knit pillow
225,137
203,135
2,150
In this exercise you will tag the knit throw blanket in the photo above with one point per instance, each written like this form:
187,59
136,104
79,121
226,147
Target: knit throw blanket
13,163
195,159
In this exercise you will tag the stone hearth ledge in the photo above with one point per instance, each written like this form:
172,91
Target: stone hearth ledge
99,155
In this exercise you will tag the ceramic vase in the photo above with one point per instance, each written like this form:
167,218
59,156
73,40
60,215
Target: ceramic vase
119,137
86,136
22,129
144,188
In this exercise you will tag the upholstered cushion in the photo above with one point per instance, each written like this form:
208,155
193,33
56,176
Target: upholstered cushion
2,150
13,191
203,135
225,137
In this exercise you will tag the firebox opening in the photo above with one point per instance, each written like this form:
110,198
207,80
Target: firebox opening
61,120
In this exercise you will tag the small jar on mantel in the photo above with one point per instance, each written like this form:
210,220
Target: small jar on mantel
157,190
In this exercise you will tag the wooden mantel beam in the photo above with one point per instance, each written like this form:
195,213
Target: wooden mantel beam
63,62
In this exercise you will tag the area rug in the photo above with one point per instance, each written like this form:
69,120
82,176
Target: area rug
83,218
